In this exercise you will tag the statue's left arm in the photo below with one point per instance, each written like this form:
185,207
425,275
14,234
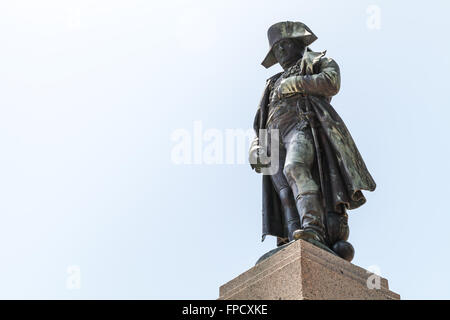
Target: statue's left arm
326,82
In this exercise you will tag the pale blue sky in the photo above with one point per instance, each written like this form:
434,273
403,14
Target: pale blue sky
91,91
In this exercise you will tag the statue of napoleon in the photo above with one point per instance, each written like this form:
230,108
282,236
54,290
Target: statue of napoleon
321,173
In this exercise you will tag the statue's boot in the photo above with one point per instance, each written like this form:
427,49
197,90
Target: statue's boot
338,232
312,215
291,216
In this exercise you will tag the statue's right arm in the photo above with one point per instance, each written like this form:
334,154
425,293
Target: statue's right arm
255,148
253,155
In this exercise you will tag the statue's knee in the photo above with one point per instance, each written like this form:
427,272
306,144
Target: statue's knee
300,177
294,170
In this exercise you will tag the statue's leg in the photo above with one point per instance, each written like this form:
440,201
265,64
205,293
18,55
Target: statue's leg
338,232
337,225
290,214
297,169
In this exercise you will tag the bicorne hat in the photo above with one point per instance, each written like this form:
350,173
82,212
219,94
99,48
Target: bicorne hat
284,30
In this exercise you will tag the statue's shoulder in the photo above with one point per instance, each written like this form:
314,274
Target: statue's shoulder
271,81
313,57
274,77
313,60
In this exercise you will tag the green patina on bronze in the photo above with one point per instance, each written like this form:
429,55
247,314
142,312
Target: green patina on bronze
313,80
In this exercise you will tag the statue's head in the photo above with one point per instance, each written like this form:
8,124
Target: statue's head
287,41
288,51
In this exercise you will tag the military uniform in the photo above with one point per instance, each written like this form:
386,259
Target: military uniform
321,172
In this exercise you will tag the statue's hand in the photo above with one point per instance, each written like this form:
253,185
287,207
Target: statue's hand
288,86
254,156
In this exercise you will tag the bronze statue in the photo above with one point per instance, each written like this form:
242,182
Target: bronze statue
321,172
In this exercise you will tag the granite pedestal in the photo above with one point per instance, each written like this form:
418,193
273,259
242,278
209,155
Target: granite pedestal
301,271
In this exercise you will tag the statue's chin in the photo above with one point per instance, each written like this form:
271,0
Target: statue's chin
290,63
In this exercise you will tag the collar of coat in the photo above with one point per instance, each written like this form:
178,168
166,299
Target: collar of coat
307,62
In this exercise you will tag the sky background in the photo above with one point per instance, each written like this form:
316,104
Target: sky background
91,93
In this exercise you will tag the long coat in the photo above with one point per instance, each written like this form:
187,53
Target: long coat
344,171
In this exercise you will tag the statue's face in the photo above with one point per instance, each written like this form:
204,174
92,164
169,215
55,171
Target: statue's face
287,52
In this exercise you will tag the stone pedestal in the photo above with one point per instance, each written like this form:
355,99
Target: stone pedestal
301,271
